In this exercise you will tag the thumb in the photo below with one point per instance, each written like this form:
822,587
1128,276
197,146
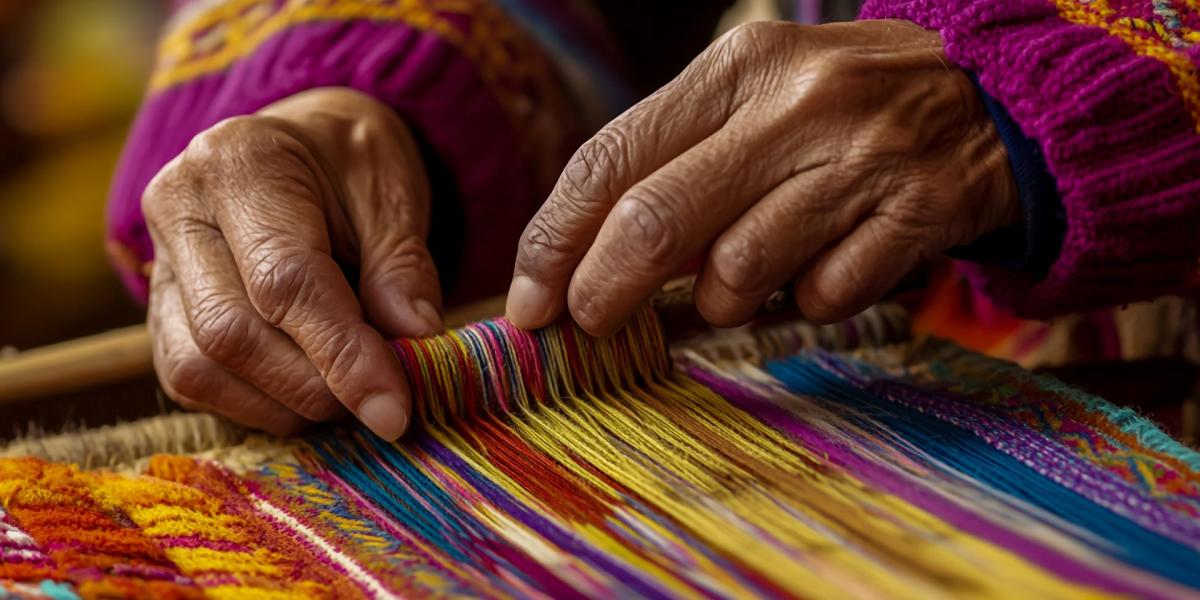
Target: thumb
372,155
398,286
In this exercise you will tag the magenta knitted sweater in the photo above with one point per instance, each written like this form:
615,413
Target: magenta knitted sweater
1110,90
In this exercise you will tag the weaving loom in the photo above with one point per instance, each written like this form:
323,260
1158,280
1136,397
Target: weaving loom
553,465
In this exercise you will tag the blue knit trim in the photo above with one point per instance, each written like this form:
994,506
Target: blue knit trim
1033,244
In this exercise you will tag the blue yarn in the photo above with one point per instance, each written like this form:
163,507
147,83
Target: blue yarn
393,552
366,478
501,497
962,450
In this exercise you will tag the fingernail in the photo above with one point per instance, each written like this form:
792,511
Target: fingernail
528,303
384,414
416,318
425,310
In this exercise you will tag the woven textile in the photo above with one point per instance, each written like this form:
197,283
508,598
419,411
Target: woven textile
553,465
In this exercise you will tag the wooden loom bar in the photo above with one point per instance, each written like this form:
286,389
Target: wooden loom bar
124,354
109,357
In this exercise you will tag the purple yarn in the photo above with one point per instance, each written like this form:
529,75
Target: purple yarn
925,498
1036,451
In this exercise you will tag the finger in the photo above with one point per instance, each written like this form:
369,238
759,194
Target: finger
631,147
196,381
768,245
389,211
859,270
226,328
661,223
294,283
399,286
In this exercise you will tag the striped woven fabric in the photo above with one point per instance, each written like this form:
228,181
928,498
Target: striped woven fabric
552,465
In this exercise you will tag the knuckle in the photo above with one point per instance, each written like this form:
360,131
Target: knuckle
828,298
279,281
223,331
209,159
543,245
913,219
170,189
187,376
218,142
650,232
594,163
243,149
742,263
313,401
750,38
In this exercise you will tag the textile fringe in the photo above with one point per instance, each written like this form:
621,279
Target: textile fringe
879,325
973,373
124,446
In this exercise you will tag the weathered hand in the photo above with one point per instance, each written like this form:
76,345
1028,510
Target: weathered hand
837,157
250,311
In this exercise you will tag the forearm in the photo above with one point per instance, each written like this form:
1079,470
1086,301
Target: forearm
1115,109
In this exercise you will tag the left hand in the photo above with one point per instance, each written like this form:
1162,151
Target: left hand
838,157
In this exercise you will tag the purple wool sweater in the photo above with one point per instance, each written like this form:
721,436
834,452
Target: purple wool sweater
1110,90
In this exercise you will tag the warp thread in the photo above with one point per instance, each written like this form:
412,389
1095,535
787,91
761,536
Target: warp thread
551,464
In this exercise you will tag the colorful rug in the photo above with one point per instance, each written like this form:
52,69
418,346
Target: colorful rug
553,465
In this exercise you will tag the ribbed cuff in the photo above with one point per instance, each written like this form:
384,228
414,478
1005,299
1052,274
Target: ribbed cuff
1033,244
1104,103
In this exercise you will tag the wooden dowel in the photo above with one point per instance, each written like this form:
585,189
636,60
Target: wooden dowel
92,361
122,355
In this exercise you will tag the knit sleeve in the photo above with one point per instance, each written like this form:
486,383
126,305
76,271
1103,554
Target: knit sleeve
481,94
1110,91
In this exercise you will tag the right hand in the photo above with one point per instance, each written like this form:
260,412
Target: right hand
251,314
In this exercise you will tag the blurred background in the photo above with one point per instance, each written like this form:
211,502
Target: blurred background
71,75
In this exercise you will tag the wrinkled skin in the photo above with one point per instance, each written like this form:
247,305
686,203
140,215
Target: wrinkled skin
251,314
832,158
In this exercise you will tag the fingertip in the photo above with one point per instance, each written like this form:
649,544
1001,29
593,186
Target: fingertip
720,308
374,386
530,304
399,288
592,318
386,414
821,301
400,316
429,316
